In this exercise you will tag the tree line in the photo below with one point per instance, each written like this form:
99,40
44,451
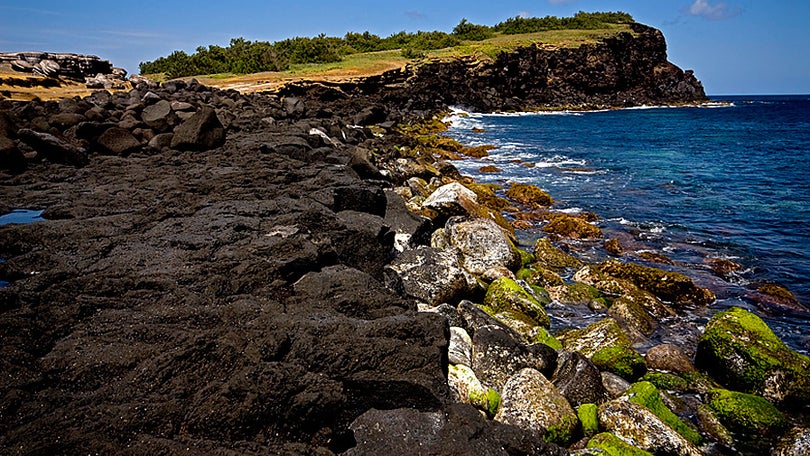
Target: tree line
243,56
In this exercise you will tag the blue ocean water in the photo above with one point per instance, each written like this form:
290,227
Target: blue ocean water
727,180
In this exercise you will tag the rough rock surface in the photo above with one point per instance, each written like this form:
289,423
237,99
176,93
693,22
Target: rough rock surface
578,379
482,243
497,356
430,275
640,427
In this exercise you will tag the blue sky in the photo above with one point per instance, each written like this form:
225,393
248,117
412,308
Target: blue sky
734,46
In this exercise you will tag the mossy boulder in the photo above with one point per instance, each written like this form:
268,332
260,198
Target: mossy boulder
588,415
621,360
549,256
629,311
579,293
640,427
614,446
506,294
646,394
542,336
746,414
602,334
487,196
529,195
741,352
666,381
667,285
572,227
540,276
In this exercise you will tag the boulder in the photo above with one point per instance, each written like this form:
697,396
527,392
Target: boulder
668,357
609,444
641,428
202,131
468,390
459,430
553,258
646,394
578,379
531,402
794,442
667,285
54,149
505,294
622,360
588,415
747,415
569,226
710,425
742,353
604,333
614,385
430,275
118,141
451,199
11,157
482,243
529,195
497,355
65,120
460,349
475,318
158,116
634,315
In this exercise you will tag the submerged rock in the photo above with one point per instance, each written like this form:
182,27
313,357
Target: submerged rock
669,286
553,258
741,352
531,402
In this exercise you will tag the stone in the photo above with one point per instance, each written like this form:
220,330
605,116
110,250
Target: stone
497,355
588,415
669,286
410,229
158,116
482,243
578,379
294,107
631,313
161,141
746,414
614,385
795,442
476,318
460,349
431,275
201,131
711,425
639,427
529,195
742,353
531,402
622,360
602,334
118,141
614,446
468,390
54,149
65,120
614,247
181,106
572,227
451,199
670,358
553,258
11,157
507,294
646,394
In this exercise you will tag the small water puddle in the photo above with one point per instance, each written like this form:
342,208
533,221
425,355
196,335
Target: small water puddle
21,217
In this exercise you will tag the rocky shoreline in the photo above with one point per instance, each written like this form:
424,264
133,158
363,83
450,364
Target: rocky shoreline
306,273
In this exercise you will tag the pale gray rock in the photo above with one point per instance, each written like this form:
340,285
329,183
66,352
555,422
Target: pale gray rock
614,385
483,244
639,427
497,355
460,349
451,199
431,275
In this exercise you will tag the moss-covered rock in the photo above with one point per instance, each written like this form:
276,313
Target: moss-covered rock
614,446
746,414
669,286
506,294
487,196
542,336
646,394
633,314
740,351
614,247
666,381
477,151
602,334
621,360
569,226
711,425
579,293
640,427
541,276
529,195
588,415
551,257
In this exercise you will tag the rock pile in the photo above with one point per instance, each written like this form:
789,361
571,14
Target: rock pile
96,73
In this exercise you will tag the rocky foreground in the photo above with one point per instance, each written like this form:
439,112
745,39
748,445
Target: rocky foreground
305,273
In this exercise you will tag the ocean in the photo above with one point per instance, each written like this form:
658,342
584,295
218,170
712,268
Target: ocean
727,180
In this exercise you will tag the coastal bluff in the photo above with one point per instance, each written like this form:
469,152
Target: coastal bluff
216,272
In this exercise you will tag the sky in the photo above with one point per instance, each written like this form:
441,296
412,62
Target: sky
735,47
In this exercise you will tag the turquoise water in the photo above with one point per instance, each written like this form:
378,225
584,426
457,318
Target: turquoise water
729,180
21,216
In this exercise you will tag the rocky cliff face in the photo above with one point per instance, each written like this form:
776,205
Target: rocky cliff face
629,69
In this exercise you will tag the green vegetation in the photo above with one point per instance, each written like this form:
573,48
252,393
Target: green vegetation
621,360
242,56
647,395
614,446
746,414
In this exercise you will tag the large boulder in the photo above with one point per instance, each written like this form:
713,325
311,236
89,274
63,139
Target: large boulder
118,141
530,401
54,149
578,379
553,258
602,334
497,355
646,394
201,131
747,415
158,116
482,243
430,275
668,357
741,352
641,428
451,199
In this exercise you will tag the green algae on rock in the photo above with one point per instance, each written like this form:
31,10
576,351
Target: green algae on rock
604,333
746,414
639,426
569,226
553,258
669,286
588,415
621,360
646,394
740,351
614,446
506,294
529,195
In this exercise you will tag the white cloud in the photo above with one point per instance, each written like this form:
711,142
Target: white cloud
719,11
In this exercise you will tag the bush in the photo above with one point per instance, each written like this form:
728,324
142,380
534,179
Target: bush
473,32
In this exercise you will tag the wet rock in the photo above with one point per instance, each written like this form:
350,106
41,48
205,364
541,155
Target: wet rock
497,355
603,334
431,275
578,379
118,141
631,313
531,402
614,247
505,294
540,276
529,195
588,415
621,360
741,352
460,349
572,227
202,131
614,385
711,425
608,443
669,286
639,427
745,414
668,357
461,430
647,395
54,149
65,120
794,442
482,243
553,258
